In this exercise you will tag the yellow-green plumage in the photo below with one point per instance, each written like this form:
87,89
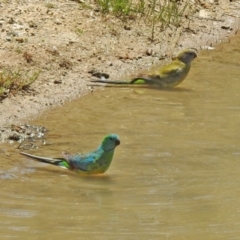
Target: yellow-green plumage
168,76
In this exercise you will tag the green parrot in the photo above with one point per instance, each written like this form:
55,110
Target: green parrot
95,162
168,76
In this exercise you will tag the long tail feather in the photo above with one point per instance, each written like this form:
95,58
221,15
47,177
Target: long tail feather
52,161
111,82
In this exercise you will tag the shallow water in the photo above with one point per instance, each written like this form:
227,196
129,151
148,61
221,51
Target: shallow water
174,176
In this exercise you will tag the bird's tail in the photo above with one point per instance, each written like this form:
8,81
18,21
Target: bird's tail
54,161
111,82
137,80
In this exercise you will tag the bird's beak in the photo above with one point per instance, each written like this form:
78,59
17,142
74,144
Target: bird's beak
117,142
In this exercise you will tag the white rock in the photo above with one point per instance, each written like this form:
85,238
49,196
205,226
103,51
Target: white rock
203,13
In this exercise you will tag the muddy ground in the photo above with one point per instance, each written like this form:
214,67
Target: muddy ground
65,40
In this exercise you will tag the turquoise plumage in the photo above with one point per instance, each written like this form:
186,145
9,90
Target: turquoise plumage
95,162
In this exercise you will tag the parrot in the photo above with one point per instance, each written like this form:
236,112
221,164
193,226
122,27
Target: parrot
168,76
95,162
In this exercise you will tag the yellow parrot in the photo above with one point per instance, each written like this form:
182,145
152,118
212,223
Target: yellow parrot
168,76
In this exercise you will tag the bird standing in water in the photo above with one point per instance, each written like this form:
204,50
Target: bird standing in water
168,76
95,162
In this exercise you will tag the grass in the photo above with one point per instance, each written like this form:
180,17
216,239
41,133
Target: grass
12,82
165,13
79,31
49,5
117,7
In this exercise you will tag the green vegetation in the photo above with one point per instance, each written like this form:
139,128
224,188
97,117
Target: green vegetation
117,7
79,31
162,13
13,81
49,5
165,11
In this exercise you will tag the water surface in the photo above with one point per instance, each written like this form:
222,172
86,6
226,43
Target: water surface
176,174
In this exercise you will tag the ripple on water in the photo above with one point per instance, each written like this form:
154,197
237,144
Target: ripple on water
174,176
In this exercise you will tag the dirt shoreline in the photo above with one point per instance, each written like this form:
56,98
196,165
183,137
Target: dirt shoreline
67,41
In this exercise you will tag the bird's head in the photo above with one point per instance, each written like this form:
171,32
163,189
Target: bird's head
110,142
187,56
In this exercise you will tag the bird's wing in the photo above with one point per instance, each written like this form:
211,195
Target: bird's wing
171,69
160,75
80,162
